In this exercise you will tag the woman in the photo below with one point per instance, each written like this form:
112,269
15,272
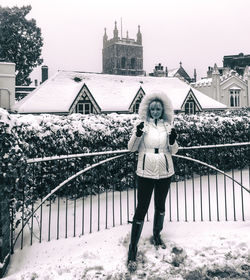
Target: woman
154,139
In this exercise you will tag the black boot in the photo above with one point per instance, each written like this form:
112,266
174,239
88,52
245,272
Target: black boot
135,236
157,228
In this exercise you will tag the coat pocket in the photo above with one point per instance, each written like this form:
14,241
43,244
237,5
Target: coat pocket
143,161
166,161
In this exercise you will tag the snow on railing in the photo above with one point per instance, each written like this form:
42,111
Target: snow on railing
35,160
105,205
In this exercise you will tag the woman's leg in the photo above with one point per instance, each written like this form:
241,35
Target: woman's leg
144,194
160,195
145,189
162,187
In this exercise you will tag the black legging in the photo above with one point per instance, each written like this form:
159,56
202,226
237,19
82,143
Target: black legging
145,190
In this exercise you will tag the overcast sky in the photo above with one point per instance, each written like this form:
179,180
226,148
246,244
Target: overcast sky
196,32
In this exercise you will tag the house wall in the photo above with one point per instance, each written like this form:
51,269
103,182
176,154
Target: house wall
7,85
233,83
219,89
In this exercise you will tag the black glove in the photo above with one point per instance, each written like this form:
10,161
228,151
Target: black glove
172,136
139,128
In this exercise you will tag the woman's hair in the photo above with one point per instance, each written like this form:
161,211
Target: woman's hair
160,96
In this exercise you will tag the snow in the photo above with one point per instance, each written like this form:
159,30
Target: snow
194,249
102,255
111,92
172,72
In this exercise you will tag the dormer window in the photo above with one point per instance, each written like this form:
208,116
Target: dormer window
137,103
234,97
84,105
190,107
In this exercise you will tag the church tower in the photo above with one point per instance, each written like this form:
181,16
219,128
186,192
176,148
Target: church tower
122,56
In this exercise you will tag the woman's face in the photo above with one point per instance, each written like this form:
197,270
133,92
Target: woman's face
155,110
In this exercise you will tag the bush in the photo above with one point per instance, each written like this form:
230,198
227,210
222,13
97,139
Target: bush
33,136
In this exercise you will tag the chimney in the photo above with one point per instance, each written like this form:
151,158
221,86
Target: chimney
45,71
36,83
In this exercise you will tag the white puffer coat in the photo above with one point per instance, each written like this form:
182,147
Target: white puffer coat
155,152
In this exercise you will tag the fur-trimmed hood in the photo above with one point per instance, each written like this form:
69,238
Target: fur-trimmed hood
168,112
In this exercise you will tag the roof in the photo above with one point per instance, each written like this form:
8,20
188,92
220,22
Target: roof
111,92
172,72
230,74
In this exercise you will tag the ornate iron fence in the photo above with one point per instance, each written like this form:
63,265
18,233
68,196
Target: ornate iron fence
70,195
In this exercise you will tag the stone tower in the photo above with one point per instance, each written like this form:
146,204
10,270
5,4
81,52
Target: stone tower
122,56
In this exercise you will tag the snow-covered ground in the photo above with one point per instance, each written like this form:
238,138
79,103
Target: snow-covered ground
195,250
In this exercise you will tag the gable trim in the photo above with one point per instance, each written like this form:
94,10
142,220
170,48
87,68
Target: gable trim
232,85
236,77
191,93
84,89
140,90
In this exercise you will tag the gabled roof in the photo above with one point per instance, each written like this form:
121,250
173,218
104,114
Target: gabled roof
179,72
110,92
192,95
172,72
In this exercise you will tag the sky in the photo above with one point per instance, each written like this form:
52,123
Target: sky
197,33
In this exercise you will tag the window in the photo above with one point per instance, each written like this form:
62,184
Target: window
137,105
123,62
190,107
234,98
133,62
87,107
84,108
79,108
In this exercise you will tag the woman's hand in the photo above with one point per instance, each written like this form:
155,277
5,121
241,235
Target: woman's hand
172,136
139,129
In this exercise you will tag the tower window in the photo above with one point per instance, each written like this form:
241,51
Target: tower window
123,62
133,63
235,98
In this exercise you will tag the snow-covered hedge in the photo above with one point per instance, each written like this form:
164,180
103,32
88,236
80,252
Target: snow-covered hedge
31,136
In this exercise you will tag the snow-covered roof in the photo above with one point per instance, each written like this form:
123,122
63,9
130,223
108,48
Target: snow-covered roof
207,102
111,92
172,72
203,82
231,73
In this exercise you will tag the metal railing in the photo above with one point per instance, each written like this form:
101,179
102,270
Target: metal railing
58,201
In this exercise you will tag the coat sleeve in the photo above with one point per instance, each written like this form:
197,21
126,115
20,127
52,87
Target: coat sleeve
134,142
174,148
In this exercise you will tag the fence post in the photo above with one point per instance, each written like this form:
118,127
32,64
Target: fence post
4,233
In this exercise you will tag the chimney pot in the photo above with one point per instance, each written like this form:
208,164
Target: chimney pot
45,71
